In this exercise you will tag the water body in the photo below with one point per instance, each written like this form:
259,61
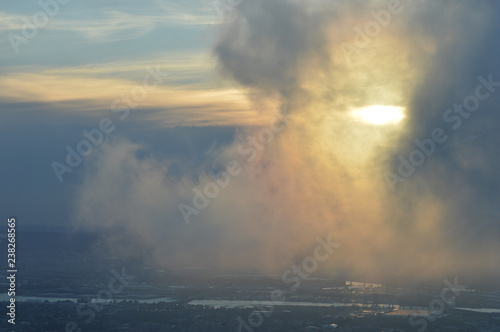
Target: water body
483,310
221,303
244,303
5,297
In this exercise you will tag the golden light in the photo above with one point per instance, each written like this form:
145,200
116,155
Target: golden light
379,114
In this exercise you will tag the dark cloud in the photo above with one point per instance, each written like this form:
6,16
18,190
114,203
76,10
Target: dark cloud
271,44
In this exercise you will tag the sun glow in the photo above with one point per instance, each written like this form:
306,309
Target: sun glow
379,114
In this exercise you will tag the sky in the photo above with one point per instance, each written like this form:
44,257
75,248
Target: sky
232,134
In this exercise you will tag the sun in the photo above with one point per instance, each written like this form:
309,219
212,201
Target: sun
379,114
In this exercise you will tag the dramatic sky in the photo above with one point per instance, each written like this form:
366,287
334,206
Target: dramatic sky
232,134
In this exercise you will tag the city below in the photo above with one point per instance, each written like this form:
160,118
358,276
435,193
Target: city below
71,285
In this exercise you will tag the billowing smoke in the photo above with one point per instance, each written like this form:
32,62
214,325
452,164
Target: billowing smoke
399,208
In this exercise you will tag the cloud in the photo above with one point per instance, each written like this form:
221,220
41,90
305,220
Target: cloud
325,173
187,94
110,24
